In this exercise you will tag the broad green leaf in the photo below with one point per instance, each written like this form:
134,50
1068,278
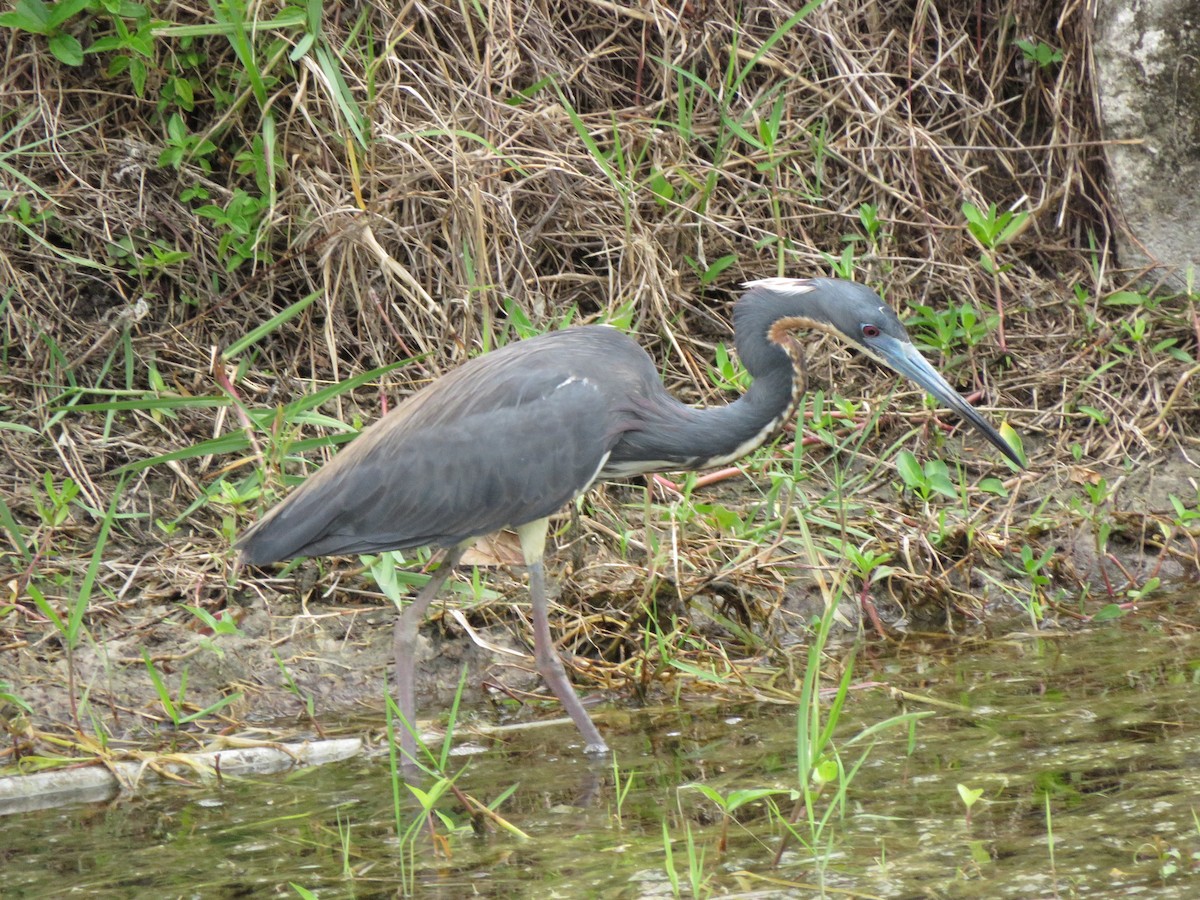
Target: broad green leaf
28,15
64,10
67,49
909,469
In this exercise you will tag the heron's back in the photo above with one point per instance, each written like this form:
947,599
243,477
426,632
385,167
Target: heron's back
505,439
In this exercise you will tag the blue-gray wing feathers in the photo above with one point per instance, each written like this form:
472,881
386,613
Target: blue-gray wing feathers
503,440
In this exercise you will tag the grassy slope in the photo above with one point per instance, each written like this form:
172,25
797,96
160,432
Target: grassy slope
204,211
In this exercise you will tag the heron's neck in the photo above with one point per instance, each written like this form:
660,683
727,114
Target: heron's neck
676,436
728,433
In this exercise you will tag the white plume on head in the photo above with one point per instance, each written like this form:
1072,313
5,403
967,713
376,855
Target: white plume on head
782,285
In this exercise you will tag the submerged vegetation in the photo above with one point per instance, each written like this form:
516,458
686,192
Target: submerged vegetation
232,235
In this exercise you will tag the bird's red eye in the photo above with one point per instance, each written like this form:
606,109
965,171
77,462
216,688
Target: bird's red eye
870,331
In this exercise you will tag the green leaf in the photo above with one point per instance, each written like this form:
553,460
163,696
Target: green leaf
160,687
1125,298
262,330
7,696
969,795
709,275
709,793
64,10
218,626
345,99
825,772
526,94
67,49
1010,225
698,673
1151,585
302,46
1013,439
740,797
664,191
993,486
974,218
722,516
44,607
17,427
941,483
28,15
909,469
184,95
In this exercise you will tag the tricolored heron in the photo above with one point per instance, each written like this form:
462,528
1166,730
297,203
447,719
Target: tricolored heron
510,437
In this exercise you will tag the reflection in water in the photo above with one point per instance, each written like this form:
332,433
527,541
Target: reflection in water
1091,737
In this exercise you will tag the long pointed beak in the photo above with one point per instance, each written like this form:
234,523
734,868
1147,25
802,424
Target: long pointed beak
904,358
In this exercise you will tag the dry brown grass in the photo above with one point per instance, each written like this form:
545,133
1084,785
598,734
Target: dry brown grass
460,199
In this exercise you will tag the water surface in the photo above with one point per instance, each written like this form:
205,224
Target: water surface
1085,746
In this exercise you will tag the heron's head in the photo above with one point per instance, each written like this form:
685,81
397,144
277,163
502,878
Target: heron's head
857,315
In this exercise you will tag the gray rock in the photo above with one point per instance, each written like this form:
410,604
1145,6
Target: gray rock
1148,68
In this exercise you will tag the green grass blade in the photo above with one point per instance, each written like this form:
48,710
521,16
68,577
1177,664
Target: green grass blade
89,579
257,334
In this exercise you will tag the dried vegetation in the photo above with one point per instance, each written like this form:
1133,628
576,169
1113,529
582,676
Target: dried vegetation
434,175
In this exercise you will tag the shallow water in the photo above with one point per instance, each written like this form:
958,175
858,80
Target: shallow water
1089,742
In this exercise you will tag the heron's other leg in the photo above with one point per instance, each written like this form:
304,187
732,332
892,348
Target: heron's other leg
533,546
404,645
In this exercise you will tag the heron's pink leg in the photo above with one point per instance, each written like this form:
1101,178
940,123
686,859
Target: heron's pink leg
549,665
404,645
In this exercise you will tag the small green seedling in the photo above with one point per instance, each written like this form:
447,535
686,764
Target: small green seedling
728,374
1185,517
1151,585
224,625
868,215
7,696
289,682
735,800
925,481
712,271
622,783
992,229
969,798
697,880
1032,567
947,330
842,266
174,706
868,564
54,506
1042,55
